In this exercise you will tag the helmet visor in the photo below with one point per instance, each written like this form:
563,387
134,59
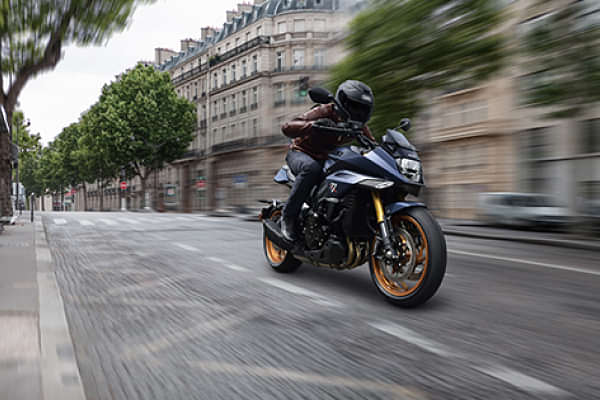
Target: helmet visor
358,111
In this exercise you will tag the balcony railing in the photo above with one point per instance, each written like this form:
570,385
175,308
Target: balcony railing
257,41
202,124
253,106
190,74
223,115
214,118
243,109
233,83
242,144
279,103
296,68
231,113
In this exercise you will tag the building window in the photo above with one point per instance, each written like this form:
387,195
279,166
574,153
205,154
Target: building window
298,58
244,69
280,61
204,111
299,25
247,37
255,63
233,132
214,137
233,77
281,27
254,127
258,30
224,76
223,134
214,110
319,25
196,90
243,129
255,95
279,94
216,81
237,42
590,136
319,57
244,99
233,103
224,109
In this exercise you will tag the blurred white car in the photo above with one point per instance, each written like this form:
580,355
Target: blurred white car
523,210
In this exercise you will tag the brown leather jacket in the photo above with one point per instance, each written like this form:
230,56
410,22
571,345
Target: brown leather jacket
315,144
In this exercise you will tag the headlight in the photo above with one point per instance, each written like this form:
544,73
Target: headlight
378,184
410,168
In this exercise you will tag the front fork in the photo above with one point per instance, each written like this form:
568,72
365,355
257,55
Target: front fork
389,252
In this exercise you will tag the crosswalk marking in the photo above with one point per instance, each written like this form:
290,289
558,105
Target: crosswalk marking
107,221
85,222
60,221
131,221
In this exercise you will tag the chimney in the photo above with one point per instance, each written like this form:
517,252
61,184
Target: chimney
187,43
207,32
231,15
244,7
161,55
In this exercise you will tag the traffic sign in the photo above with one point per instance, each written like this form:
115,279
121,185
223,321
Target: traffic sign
123,185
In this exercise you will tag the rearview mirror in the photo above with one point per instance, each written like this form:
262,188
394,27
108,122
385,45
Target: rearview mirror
404,124
320,95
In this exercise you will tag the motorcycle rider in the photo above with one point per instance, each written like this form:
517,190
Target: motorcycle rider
311,146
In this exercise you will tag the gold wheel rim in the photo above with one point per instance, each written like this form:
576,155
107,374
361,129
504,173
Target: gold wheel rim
275,254
402,288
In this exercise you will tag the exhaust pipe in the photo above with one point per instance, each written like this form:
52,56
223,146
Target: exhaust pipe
274,234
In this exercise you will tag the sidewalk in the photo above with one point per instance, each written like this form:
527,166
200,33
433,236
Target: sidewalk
36,353
477,230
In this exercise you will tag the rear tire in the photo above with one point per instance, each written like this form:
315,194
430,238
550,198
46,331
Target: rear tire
431,253
280,260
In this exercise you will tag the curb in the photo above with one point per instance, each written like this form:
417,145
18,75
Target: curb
548,242
58,365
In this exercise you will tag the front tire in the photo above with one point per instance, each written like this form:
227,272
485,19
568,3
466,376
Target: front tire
429,248
280,260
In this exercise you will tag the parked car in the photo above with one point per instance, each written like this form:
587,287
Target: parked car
523,210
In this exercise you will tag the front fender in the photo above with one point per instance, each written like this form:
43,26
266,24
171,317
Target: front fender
399,206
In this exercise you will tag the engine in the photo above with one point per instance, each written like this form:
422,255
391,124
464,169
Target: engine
315,232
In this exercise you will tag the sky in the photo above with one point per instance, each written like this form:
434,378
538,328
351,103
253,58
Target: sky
57,98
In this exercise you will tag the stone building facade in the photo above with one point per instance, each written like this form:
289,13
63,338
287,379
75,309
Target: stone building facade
482,139
246,80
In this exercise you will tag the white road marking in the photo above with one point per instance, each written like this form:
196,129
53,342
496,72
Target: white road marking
515,378
301,291
130,221
60,221
85,222
107,221
413,337
236,267
521,381
217,260
186,247
521,261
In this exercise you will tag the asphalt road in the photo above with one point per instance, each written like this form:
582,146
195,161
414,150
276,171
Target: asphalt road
185,307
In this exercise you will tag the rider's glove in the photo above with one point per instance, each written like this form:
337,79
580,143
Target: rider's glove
325,123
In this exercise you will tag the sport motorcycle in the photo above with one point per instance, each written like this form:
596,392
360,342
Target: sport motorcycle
361,213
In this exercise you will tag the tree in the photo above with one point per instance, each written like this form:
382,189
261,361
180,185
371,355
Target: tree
143,122
29,152
562,52
405,50
32,36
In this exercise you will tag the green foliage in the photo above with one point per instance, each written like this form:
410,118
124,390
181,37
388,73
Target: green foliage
404,50
563,62
30,148
144,123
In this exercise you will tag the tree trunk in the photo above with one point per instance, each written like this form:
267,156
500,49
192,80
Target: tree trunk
143,180
85,207
155,199
6,167
62,199
101,195
42,196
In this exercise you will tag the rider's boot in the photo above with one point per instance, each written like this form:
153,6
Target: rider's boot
287,228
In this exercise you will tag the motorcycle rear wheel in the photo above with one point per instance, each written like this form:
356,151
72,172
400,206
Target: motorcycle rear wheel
430,251
280,260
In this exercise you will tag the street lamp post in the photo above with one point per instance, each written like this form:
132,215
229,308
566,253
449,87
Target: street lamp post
17,203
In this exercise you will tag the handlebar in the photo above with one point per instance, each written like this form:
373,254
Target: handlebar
352,130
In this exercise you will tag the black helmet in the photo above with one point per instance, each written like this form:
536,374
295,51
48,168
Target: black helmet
356,99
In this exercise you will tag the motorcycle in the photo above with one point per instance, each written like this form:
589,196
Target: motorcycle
359,213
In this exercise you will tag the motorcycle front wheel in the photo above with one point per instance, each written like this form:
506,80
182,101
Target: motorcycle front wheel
421,270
